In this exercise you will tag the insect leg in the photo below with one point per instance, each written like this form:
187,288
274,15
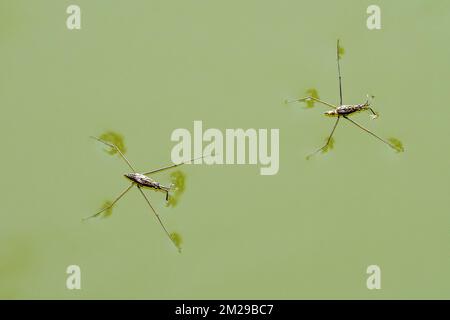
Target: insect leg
172,166
112,204
328,140
368,103
370,132
157,217
109,144
374,114
312,98
339,73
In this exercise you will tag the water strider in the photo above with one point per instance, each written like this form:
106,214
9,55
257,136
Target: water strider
344,111
141,180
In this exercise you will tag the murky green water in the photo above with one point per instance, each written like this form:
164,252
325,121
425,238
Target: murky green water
145,68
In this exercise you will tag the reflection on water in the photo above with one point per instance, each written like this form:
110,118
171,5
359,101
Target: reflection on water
118,140
397,144
115,138
329,146
178,179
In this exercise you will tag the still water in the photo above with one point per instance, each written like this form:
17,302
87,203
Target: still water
146,68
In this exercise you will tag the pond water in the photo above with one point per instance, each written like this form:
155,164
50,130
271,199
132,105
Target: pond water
145,68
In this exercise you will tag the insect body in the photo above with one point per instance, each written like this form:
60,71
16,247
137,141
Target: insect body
344,111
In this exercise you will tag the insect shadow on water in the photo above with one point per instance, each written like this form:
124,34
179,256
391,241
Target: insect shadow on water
141,181
178,179
344,111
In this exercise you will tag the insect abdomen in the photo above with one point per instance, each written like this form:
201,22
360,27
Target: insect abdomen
143,180
345,110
